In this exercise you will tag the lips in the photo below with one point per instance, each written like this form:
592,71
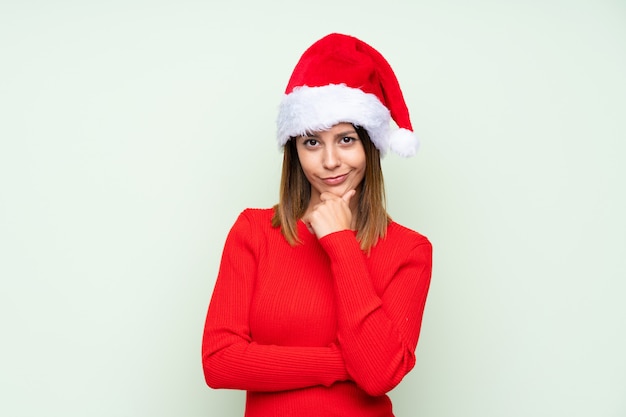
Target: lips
339,179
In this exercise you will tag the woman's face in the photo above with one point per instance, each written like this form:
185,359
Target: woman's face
333,160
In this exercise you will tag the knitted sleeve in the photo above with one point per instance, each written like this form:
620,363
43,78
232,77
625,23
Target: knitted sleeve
230,358
378,331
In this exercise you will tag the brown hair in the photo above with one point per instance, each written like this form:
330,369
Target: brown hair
295,193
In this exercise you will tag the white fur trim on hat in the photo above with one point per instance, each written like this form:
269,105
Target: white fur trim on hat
311,109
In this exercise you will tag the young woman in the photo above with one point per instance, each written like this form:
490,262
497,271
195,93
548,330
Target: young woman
318,302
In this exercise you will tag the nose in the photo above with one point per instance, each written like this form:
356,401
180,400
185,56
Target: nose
331,158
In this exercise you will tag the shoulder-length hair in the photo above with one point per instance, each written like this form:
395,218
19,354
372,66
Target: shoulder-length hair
295,193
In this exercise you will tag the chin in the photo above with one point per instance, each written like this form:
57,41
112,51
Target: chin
339,191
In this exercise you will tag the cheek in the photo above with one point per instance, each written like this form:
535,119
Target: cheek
357,157
358,161
361,174
361,168
308,164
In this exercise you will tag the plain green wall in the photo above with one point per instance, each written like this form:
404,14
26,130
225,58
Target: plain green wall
133,133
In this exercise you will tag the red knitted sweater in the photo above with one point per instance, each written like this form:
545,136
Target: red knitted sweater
318,329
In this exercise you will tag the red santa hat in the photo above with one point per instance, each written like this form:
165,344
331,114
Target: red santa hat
341,79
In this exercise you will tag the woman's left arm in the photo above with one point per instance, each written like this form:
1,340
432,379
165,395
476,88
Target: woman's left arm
378,330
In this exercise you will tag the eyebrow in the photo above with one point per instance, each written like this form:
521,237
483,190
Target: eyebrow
338,135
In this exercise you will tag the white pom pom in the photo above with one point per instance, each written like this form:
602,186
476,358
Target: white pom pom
404,143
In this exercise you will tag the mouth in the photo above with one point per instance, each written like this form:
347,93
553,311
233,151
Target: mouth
336,180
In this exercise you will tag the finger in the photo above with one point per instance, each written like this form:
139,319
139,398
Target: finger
348,195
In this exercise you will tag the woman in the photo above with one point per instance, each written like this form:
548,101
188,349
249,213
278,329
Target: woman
318,302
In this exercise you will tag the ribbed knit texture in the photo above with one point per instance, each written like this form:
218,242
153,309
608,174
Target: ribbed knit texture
319,329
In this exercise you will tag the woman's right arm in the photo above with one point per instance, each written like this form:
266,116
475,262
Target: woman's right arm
230,358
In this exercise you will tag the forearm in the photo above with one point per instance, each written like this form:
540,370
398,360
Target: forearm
255,367
376,354
378,326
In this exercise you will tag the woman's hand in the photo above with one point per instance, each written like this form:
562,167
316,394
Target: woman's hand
331,215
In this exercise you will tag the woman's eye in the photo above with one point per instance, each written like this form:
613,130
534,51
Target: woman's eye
310,142
347,139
